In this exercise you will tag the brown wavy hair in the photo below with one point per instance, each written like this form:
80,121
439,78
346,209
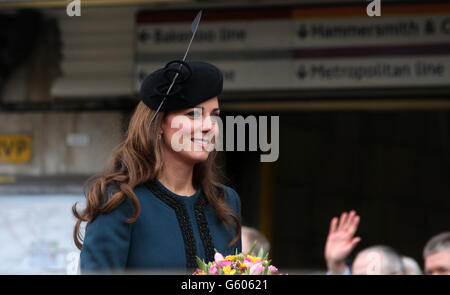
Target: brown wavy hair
139,159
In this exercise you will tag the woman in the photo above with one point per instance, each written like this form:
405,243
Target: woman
160,204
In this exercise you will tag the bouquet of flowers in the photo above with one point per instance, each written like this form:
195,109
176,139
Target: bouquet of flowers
238,264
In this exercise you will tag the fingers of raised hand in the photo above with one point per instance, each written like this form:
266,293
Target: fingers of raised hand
342,221
353,225
348,222
350,245
354,242
333,225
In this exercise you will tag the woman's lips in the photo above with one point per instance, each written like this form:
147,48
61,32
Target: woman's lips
202,142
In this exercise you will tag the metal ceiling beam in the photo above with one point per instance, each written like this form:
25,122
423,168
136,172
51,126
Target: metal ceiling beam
85,3
207,3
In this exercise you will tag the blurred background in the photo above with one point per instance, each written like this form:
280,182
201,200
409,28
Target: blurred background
363,104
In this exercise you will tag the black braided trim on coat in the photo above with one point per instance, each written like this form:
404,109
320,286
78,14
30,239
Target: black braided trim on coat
202,223
183,221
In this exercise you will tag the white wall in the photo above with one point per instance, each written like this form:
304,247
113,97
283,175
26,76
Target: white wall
52,154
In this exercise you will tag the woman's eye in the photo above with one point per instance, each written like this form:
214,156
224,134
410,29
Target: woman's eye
194,114
215,117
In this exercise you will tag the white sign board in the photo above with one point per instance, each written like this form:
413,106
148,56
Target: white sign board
292,49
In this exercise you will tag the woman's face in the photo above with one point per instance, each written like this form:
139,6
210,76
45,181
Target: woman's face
191,133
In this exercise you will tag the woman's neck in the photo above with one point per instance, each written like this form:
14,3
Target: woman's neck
177,177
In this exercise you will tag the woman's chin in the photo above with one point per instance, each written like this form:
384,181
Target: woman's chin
194,157
198,157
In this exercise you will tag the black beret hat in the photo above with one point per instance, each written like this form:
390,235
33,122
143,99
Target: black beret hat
196,82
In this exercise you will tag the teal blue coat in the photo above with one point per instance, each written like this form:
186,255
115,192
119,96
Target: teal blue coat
169,233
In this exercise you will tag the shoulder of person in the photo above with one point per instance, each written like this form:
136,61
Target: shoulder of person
126,206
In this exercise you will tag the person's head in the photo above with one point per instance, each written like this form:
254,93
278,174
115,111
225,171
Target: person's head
249,236
378,260
189,127
437,255
153,139
189,135
411,266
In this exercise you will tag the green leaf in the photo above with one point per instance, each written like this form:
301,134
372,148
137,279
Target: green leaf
266,270
261,252
201,264
252,248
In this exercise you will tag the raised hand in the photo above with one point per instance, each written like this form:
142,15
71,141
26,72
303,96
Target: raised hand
340,241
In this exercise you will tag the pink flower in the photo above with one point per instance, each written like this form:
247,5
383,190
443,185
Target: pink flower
273,269
218,257
213,270
248,261
223,263
257,268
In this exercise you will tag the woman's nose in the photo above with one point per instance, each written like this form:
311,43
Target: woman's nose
207,124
